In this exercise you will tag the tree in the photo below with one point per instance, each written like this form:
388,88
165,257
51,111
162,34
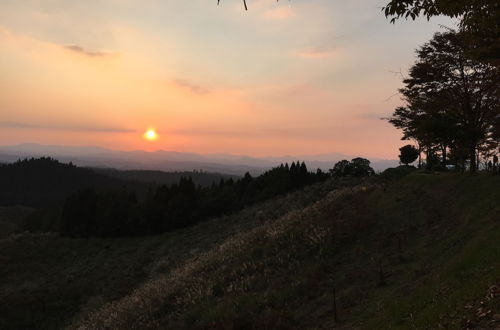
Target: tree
452,99
361,167
356,167
341,168
473,13
408,154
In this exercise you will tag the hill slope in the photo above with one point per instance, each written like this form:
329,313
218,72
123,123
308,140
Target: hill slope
408,255
45,181
46,280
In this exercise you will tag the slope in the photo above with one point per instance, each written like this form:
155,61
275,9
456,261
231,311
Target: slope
408,255
46,281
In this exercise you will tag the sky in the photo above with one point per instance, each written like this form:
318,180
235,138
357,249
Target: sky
288,77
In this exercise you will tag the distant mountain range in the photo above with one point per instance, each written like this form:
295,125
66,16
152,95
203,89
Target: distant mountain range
172,160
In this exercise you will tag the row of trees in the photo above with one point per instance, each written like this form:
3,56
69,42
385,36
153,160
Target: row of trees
452,92
90,213
452,110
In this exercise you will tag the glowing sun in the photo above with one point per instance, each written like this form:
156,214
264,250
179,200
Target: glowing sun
150,135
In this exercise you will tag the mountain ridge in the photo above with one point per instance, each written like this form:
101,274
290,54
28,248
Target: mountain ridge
166,160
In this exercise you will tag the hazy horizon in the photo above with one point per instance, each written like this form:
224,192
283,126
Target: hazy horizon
64,147
171,160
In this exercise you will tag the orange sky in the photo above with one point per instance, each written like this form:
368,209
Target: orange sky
299,77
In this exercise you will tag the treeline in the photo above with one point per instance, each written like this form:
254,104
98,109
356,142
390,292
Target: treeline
45,181
452,110
166,208
149,177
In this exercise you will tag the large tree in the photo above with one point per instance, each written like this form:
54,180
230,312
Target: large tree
452,100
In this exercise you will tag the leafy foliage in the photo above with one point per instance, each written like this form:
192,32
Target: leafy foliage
479,19
408,154
358,167
452,101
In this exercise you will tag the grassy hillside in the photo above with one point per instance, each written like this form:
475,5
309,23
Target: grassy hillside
46,280
419,253
11,218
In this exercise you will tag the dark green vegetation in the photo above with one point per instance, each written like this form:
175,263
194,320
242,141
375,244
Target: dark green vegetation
452,106
408,154
47,280
358,167
45,181
201,178
88,213
11,219
105,206
411,253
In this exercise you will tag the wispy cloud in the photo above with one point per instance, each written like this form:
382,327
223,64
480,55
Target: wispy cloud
62,127
197,89
86,52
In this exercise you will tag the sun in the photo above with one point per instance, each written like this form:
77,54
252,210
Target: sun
150,135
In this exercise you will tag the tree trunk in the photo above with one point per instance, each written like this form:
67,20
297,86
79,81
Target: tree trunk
444,154
472,156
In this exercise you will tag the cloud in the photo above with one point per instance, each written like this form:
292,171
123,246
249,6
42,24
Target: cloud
86,52
197,89
62,127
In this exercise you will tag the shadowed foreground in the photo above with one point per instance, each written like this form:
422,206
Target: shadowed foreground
421,252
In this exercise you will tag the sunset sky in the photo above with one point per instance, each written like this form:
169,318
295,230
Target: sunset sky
293,77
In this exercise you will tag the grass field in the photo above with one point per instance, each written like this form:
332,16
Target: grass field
419,253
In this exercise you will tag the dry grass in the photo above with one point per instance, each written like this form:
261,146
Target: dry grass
433,238
232,268
46,281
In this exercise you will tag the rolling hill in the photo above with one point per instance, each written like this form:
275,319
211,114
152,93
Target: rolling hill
46,181
172,161
419,252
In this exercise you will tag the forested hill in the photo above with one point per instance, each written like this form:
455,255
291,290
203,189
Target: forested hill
201,178
418,252
45,181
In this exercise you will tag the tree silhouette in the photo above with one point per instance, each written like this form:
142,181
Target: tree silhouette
357,167
168,208
408,154
452,99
